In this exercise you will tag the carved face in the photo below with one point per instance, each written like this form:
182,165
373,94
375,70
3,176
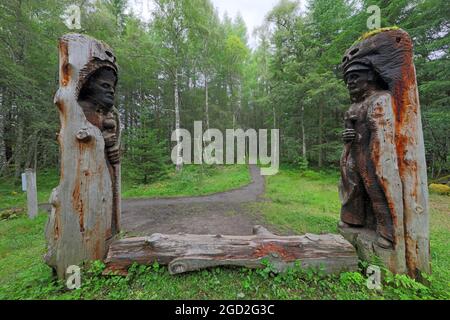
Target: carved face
100,88
358,82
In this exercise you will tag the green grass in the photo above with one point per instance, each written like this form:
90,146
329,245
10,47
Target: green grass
193,180
307,203
11,194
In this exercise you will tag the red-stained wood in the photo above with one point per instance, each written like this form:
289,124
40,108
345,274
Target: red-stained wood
398,154
80,223
185,252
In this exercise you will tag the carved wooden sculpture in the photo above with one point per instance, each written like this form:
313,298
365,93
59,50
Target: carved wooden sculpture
86,205
384,182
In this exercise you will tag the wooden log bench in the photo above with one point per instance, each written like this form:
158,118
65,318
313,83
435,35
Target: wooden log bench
186,252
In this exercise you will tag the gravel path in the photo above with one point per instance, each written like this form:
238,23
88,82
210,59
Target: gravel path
221,213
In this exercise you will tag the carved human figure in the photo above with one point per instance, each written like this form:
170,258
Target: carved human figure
383,185
364,201
96,98
97,101
85,215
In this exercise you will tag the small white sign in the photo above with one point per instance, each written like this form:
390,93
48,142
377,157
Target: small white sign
24,182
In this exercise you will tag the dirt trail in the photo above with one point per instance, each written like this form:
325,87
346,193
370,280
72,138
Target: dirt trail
221,213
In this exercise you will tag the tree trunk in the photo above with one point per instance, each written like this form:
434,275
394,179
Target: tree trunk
320,164
179,165
82,217
274,117
303,133
206,102
206,112
184,253
2,133
19,148
397,160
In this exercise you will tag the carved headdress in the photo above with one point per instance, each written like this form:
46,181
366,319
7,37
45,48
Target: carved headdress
389,54
83,66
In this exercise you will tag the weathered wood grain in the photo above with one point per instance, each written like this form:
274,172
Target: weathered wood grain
186,252
81,217
32,201
397,151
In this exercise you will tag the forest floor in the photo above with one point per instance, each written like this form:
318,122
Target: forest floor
225,212
219,213
292,202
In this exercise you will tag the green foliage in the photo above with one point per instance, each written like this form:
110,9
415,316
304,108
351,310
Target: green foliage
192,181
23,274
12,196
302,164
303,202
437,140
289,81
146,160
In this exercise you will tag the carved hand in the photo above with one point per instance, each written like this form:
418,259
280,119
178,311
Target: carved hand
110,139
113,155
349,135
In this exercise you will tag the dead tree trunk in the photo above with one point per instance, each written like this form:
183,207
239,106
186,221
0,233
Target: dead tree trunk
82,218
184,253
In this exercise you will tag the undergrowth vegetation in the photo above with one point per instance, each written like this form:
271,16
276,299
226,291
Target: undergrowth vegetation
299,203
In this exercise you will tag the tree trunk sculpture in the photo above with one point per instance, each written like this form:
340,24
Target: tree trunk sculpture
384,181
86,205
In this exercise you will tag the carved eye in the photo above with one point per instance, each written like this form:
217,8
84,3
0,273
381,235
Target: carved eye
105,85
354,51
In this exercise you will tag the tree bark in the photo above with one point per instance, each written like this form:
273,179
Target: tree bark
184,253
303,133
179,165
82,217
18,149
2,133
320,163
206,102
398,180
